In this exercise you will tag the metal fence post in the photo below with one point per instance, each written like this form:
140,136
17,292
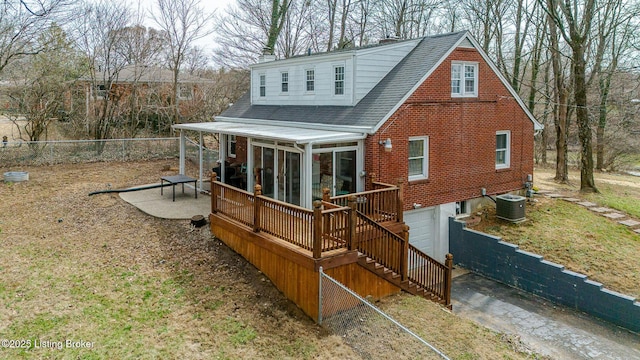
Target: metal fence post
320,295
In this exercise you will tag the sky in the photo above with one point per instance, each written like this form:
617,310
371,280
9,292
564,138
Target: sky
217,6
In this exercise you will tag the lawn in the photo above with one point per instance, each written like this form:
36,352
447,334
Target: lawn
581,240
96,269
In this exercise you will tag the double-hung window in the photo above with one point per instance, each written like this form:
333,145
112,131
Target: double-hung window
231,146
285,82
418,158
263,85
311,80
464,79
338,80
503,149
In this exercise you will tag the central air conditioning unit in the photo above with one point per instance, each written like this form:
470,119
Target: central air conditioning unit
510,207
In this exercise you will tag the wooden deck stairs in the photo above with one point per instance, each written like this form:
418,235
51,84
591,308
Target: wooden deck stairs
409,269
396,279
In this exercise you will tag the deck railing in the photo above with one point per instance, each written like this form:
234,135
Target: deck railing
378,243
317,230
285,221
430,274
234,203
332,225
383,203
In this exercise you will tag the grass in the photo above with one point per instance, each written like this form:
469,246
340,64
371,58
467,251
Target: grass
579,239
74,267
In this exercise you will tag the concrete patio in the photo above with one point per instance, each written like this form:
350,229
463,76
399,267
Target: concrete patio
151,202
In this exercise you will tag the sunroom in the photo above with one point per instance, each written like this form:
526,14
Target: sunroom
292,164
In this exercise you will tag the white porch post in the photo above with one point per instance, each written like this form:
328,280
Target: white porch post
360,183
307,176
183,141
201,162
222,155
250,166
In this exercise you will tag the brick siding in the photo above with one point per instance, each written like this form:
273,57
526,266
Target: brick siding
462,138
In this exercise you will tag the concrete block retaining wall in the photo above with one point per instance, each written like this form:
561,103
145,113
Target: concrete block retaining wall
489,256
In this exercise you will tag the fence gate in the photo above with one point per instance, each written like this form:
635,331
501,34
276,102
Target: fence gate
370,332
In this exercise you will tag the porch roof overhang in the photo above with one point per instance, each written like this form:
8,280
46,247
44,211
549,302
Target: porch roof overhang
272,132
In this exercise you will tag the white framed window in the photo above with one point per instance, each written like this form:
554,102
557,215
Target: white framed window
185,92
263,85
284,76
338,86
231,146
503,149
100,91
418,158
311,80
462,208
464,79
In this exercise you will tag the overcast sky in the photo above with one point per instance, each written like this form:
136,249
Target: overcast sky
217,6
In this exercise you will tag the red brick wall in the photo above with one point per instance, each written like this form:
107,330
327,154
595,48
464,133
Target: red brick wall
241,150
462,139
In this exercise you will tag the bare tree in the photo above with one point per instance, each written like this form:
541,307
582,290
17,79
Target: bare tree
614,33
183,22
560,104
21,22
38,84
99,37
574,22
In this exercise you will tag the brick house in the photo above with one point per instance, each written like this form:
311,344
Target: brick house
433,114
152,86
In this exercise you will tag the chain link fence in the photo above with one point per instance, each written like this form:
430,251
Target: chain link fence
81,151
371,333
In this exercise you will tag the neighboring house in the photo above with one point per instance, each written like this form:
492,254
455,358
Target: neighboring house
433,114
152,86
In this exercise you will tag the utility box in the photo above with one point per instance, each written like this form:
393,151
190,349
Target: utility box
510,207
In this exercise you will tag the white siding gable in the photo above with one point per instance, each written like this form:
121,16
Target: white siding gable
374,64
363,69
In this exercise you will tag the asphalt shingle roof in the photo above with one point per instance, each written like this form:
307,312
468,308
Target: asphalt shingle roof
373,107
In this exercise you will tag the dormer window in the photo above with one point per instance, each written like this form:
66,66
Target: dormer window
311,80
339,80
263,85
464,79
285,82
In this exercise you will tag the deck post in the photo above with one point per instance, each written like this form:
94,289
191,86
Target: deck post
257,192
325,195
404,265
400,201
352,240
214,193
372,179
317,229
448,263
257,172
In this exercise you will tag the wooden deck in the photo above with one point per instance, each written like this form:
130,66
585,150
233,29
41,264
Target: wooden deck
352,243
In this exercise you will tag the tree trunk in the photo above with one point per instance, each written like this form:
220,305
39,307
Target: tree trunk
561,124
587,183
560,109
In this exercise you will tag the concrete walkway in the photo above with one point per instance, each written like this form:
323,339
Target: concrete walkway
547,329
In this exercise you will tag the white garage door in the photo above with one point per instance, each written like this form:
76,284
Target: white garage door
422,229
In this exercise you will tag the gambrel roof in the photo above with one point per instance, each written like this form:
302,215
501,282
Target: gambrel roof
378,105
